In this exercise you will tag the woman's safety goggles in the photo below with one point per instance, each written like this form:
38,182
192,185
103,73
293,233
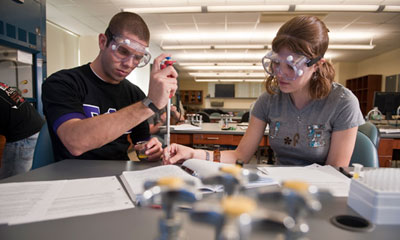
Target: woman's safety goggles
289,67
125,49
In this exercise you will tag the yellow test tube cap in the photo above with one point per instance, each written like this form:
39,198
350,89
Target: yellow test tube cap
172,182
296,185
233,169
237,205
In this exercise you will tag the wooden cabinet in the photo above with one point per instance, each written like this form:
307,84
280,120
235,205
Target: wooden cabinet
385,151
364,88
191,96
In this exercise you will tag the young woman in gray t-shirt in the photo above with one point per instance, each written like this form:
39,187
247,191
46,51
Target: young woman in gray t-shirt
311,119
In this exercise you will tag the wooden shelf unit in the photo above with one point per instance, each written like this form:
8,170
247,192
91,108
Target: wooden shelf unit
364,88
191,96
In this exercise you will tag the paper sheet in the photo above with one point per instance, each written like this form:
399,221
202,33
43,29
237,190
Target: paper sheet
389,130
185,127
38,201
324,177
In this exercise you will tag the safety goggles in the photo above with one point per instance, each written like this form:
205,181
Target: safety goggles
125,49
289,67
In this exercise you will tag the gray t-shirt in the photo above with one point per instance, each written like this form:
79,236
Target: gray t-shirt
302,137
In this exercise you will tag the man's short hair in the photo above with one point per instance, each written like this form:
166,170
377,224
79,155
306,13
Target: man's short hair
128,22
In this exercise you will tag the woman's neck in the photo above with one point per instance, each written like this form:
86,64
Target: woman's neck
300,99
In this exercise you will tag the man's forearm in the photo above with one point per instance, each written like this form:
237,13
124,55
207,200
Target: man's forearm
80,136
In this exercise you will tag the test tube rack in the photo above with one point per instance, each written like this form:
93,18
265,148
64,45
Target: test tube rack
376,196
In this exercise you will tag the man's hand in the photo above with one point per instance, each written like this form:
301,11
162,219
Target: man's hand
154,149
162,82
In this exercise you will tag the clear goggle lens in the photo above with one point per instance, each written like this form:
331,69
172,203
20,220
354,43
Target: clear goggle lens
125,49
289,67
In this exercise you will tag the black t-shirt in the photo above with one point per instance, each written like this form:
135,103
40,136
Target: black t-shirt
79,93
19,119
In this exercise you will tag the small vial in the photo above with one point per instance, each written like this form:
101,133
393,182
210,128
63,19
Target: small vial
357,170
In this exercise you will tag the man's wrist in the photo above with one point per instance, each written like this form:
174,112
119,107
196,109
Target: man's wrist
149,103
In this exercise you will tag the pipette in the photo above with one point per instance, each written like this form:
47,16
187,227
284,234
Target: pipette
168,62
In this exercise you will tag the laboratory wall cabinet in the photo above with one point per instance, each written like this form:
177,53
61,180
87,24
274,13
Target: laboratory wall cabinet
364,88
191,97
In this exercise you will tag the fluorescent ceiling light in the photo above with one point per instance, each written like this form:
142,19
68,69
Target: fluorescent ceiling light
231,80
254,80
343,7
164,9
351,46
266,37
206,80
391,9
182,47
354,36
248,8
187,36
222,68
220,57
218,64
331,46
247,46
228,74
238,46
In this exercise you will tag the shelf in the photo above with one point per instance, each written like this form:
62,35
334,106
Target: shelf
364,88
191,96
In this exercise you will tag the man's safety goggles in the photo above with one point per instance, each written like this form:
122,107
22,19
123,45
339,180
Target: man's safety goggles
289,67
125,49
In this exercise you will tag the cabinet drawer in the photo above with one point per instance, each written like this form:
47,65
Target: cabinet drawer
185,139
212,139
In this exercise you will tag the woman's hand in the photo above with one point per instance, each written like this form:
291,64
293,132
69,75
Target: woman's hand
177,153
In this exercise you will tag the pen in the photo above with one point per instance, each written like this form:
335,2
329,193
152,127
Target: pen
346,173
190,171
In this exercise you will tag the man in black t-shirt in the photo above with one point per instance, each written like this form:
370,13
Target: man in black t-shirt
20,123
91,109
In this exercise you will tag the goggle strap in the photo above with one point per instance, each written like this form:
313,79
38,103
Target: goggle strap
313,61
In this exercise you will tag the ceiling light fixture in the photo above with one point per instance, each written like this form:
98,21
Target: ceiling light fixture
238,46
206,80
254,80
164,9
228,74
267,37
231,80
222,68
351,46
220,57
218,64
183,47
196,36
391,9
192,47
249,8
337,8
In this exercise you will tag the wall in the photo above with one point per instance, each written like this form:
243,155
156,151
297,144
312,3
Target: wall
385,64
62,48
89,48
344,71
